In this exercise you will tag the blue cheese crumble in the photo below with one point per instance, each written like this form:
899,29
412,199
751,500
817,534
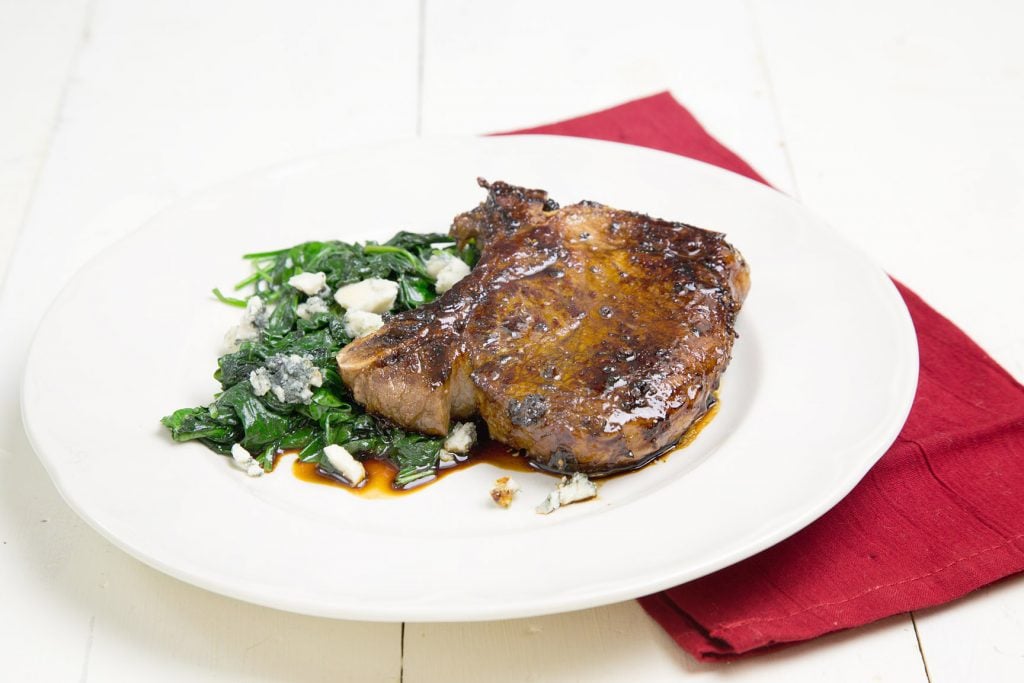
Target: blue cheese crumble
253,321
446,459
309,284
245,461
372,295
310,307
456,446
437,262
569,490
461,438
260,381
361,323
345,464
291,378
446,270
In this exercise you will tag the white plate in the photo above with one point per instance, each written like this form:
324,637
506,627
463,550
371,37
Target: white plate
822,379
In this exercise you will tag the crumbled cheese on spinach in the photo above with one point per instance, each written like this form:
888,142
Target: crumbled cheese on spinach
437,262
312,306
260,381
361,323
253,321
373,295
452,272
292,378
309,284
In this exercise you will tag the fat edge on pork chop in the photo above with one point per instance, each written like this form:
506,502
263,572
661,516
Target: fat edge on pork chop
588,336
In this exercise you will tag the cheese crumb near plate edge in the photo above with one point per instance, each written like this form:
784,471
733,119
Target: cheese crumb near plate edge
244,460
569,490
249,325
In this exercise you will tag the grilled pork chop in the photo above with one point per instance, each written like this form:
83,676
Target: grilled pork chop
589,336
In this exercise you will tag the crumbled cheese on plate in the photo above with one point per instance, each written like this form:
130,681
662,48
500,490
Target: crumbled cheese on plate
569,490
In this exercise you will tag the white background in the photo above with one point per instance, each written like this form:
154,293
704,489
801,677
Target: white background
899,122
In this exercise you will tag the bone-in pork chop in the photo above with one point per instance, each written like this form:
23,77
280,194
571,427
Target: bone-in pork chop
589,336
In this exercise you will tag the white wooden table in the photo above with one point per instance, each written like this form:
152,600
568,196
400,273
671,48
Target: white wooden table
898,121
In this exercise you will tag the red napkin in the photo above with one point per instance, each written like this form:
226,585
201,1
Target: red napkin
941,514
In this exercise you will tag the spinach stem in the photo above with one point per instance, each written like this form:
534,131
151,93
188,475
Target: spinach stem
388,249
231,301
259,274
266,254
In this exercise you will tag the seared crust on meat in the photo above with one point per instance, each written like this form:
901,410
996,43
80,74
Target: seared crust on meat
589,336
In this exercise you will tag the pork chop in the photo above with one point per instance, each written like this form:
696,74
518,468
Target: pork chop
588,336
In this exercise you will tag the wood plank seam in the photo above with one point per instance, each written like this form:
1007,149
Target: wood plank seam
755,30
420,50
920,648
88,649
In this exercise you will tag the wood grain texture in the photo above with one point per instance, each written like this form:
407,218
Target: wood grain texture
45,36
977,638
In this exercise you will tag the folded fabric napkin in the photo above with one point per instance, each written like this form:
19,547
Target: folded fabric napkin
941,514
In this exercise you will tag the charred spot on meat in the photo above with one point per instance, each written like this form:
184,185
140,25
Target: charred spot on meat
587,336
528,411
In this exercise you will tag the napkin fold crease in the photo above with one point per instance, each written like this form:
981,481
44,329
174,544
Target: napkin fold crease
941,514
